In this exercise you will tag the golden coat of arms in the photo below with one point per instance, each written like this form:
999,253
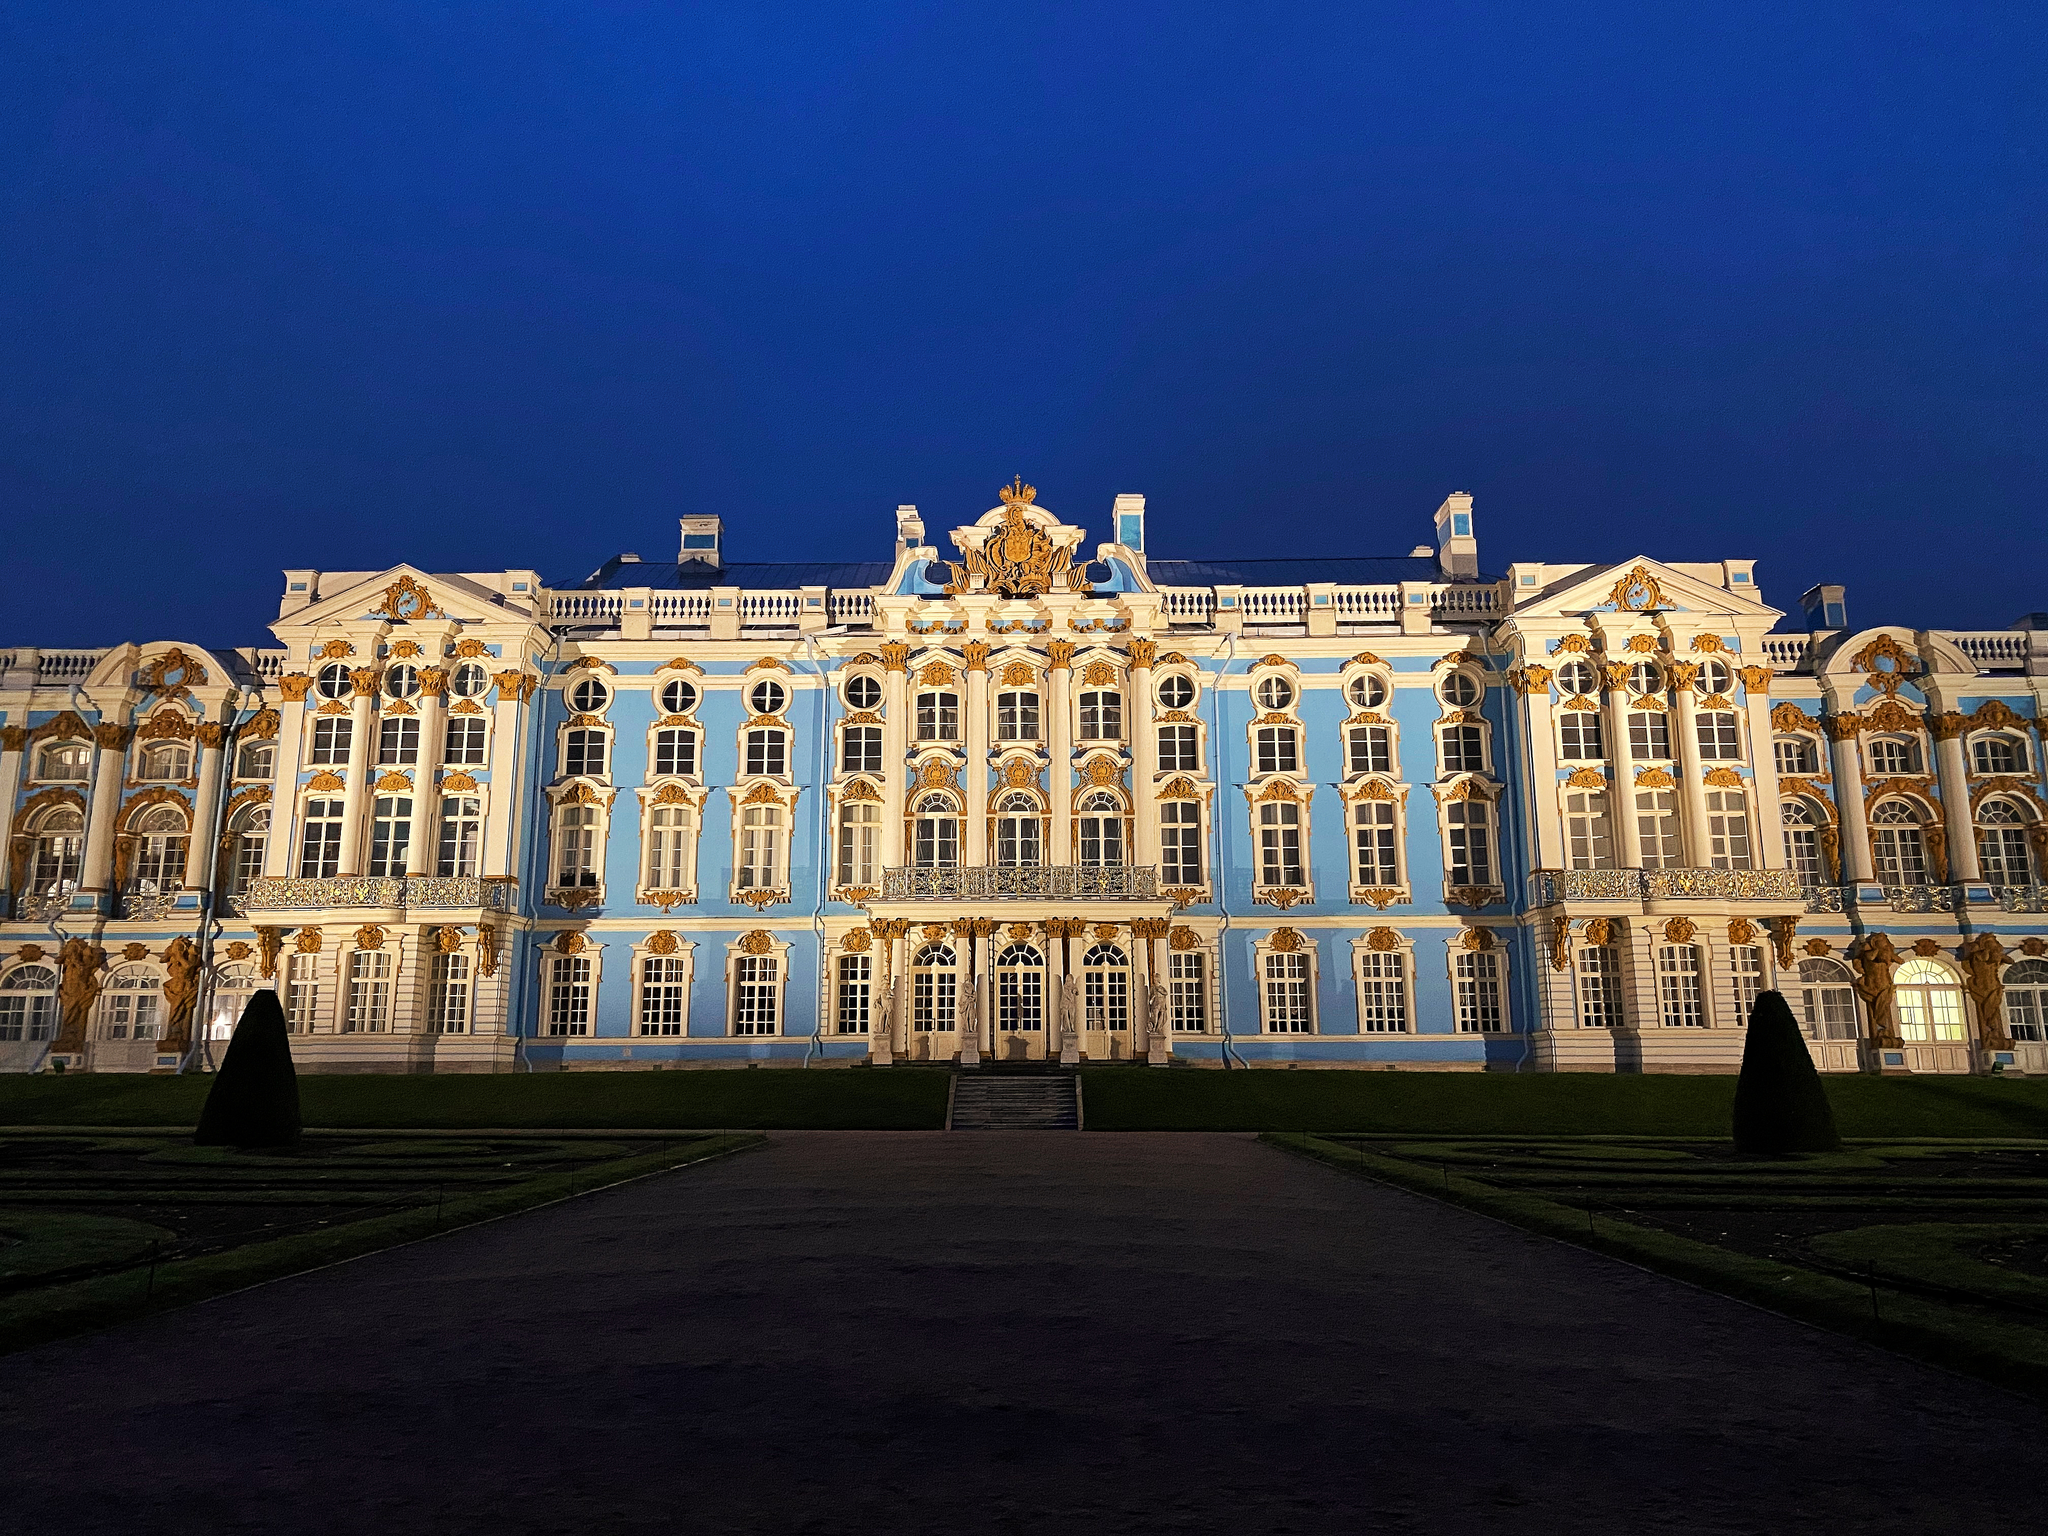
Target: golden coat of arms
1017,559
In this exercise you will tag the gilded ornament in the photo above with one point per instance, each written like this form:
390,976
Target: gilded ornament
1059,653
171,671
584,794
1561,944
1708,643
1182,896
393,780
1017,559
1279,789
135,952
13,738
1818,947
1374,789
509,685
1926,949
1472,895
1995,714
662,942
1143,653
1741,931
365,681
1017,675
936,933
1182,940
332,707
1474,938
1284,897
2035,948
334,650
458,780
1102,771
684,664
568,942
1680,930
487,951
1790,717
1285,941
113,738
405,599
855,941
1723,778
369,936
326,781
1887,662
1756,679
1654,778
1020,932
974,654
1098,674
1381,897
1716,701
405,650
1019,773
1575,643
1530,679
668,901
936,773
1602,931
936,675
165,725
1582,706
1638,591
760,901
1586,778
596,722
895,655
1644,645
238,950
211,733
1614,674
1649,701
1783,930
1844,727
470,648
1948,725
763,793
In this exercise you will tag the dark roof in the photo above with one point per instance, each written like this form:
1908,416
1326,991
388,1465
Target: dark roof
848,575
1351,570
844,575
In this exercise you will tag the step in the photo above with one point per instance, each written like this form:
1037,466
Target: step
1046,1103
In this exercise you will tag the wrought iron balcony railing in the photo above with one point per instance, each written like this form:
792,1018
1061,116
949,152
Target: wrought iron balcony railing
1822,898
1555,885
1052,882
2022,898
272,893
1921,898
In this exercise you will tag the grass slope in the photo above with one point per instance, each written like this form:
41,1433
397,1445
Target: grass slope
779,1099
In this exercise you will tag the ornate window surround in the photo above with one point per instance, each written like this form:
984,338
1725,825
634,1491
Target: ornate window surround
766,944
1403,945
599,795
1280,789
762,790
586,948
1363,788
651,796
1470,786
672,946
1295,941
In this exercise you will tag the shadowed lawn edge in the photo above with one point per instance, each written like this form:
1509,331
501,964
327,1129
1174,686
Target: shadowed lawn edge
2015,1357
37,1317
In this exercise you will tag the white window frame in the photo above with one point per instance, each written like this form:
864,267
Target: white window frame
1301,803
1397,802
550,957
563,798
778,950
1364,957
681,793
1309,952
684,954
1456,952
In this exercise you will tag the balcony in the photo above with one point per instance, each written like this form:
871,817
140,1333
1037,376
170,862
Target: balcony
489,893
1920,898
1556,885
1053,882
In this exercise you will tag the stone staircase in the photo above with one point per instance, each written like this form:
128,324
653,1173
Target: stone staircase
1043,1101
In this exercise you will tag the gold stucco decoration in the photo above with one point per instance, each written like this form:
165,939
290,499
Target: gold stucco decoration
1383,939
662,943
1888,663
1586,778
458,780
369,936
1723,778
1741,931
394,780
1017,675
1285,941
326,782
1680,930
1638,591
1654,778
569,943
334,650
936,674
1098,674
1018,559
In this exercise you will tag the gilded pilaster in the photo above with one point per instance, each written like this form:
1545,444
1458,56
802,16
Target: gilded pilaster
1060,740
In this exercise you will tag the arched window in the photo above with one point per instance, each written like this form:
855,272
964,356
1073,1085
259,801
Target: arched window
1929,1002
1719,739
767,752
860,842
1180,843
1017,716
1826,998
1017,832
1280,844
1373,845
671,845
1588,836
165,761
462,835
935,833
60,851
938,716
664,995
2026,1001
332,735
2002,843
1796,755
391,835
1657,825
1998,754
398,740
1106,988
1102,830
1020,989
1894,754
1896,840
233,986
1678,986
448,993
934,988
1470,845
583,753
63,762
28,1003
763,848
1102,716
132,1006
1276,751
320,850
1727,829
576,846
257,760
1802,842
1649,736
159,850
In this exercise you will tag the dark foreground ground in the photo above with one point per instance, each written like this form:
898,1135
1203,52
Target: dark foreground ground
1003,1333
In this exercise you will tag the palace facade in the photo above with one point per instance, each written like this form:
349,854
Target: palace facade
999,797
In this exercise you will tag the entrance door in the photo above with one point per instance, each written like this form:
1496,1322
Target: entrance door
1020,1033
1106,1004
934,993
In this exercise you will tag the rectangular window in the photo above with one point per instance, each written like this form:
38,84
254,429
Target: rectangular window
1372,836
1794,756
569,995
1746,968
860,837
320,853
448,995
671,833
302,993
390,835
462,835
856,980
755,995
1369,749
1187,992
1657,822
1464,749
576,846
1471,861
1600,987
1102,716
767,752
331,737
1475,976
1287,995
1678,986
1280,845
1578,736
1719,740
1177,749
1382,992
398,740
1802,853
1727,830
1276,750
1180,843
1589,843
664,995
1016,717
1649,736
463,741
860,749
760,863
369,992
938,717
583,753
675,753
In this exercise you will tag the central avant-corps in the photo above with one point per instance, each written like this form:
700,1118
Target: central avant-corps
1026,802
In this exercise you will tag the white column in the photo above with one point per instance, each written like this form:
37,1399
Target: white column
895,742
422,859
1692,787
1060,739
1763,765
1144,757
505,804
1614,719
1544,811
1855,832
976,777
362,710
1963,863
202,852
13,746
108,770
284,805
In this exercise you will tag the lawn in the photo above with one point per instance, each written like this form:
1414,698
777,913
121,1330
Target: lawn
99,1227
1936,1248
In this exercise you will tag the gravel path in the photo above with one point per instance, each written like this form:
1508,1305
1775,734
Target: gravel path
1004,1332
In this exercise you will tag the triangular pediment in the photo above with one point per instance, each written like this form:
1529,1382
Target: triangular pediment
402,595
1638,585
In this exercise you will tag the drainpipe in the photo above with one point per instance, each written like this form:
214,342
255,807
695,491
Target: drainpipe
1217,864
817,1046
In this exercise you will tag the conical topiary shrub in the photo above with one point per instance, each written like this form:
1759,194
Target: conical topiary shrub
255,1097
1780,1105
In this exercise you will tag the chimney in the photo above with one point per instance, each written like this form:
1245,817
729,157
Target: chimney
1457,550
909,530
1129,518
703,539
1824,607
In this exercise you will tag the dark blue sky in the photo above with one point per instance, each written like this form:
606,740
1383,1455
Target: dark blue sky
515,284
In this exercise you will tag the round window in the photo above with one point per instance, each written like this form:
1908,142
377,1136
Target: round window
1275,693
863,692
678,697
333,681
1176,692
1645,677
1575,679
1459,690
1714,676
402,682
1367,691
590,696
469,680
767,698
